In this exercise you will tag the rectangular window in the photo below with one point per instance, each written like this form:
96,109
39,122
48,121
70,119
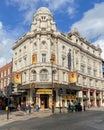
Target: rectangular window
8,71
43,58
4,82
63,62
95,73
25,77
63,76
90,82
84,81
34,77
82,68
89,71
5,73
1,74
96,83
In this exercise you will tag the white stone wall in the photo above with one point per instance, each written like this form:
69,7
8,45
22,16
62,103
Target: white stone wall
40,39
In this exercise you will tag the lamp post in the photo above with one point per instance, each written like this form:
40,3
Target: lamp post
52,85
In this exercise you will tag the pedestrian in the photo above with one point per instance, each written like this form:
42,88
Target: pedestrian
18,107
29,106
10,107
71,105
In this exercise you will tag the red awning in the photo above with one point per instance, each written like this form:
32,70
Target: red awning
85,89
97,91
92,90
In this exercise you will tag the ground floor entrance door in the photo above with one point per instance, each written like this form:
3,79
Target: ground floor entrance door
44,101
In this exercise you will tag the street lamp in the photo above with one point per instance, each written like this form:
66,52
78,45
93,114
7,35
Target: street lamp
52,85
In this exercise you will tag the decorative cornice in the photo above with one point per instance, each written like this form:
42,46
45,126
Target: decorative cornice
57,35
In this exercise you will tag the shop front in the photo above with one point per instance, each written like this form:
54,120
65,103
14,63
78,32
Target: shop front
98,99
85,96
66,99
92,98
44,98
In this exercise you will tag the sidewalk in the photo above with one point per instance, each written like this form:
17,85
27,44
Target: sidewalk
20,115
95,108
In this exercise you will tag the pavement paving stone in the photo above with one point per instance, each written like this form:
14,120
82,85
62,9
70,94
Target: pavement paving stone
20,115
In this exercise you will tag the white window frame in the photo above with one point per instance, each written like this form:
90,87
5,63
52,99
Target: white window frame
43,58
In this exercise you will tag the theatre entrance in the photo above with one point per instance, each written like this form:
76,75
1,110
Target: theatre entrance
44,101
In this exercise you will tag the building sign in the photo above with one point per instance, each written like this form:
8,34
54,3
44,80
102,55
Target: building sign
34,58
17,78
39,85
53,58
44,91
72,77
69,97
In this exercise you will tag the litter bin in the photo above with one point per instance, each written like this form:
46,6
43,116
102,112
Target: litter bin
37,107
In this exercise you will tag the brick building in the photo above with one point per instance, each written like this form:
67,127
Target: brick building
5,75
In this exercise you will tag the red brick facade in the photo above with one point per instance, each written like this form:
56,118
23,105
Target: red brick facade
5,75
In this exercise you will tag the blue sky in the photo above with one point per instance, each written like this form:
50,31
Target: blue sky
16,17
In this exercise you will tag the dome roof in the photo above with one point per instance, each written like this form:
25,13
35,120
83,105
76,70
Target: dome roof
43,10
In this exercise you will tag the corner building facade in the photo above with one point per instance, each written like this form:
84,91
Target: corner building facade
40,75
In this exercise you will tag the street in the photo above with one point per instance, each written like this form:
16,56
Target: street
88,120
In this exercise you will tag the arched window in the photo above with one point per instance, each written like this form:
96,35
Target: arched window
44,75
33,77
63,47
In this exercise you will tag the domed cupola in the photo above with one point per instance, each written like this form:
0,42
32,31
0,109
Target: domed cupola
43,20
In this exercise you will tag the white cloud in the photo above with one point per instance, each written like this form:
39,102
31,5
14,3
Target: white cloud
101,43
71,11
2,61
54,5
30,6
92,24
5,45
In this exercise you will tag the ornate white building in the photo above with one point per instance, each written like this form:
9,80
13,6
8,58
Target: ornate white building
39,75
